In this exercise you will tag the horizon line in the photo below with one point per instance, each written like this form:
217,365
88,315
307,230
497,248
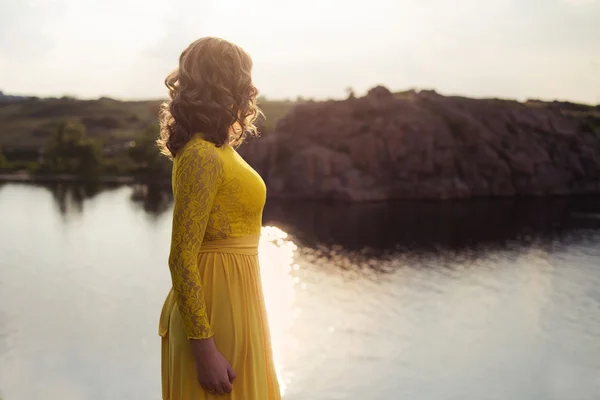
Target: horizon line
300,98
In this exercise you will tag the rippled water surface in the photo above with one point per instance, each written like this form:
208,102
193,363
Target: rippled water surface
458,300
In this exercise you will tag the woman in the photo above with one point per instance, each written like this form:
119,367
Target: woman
215,335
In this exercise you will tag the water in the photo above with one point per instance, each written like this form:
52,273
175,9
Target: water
413,300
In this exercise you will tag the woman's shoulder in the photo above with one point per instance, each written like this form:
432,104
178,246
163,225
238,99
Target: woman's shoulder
200,153
199,147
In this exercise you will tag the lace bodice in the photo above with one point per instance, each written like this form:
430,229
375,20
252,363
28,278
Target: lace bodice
217,196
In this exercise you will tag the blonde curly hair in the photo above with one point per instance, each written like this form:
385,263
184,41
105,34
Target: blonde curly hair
210,93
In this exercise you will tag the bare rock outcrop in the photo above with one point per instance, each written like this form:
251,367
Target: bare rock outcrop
427,146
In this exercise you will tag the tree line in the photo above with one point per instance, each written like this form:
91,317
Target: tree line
71,151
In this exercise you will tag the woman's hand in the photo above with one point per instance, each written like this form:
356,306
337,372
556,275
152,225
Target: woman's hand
214,372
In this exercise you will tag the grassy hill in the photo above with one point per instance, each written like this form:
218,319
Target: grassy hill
29,123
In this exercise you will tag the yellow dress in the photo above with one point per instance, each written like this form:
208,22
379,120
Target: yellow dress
217,289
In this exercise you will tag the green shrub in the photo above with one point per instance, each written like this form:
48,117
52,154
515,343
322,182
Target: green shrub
146,156
3,162
71,151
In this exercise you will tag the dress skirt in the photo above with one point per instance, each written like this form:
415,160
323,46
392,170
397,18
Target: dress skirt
235,306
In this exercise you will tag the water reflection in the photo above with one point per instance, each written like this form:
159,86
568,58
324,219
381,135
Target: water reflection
431,226
379,228
69,197
154,199
381,237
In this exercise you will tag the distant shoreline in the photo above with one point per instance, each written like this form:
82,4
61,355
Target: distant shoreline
25,177
70,178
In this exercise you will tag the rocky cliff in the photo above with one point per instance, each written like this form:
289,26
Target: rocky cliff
422,145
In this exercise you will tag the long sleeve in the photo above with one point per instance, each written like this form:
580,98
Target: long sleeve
196,177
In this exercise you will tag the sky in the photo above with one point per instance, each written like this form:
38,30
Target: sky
519,49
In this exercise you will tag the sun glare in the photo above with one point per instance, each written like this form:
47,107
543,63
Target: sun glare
276,253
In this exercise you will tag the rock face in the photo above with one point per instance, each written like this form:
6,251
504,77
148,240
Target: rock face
426,146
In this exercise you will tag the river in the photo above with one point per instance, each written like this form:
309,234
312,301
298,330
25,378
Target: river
467,300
